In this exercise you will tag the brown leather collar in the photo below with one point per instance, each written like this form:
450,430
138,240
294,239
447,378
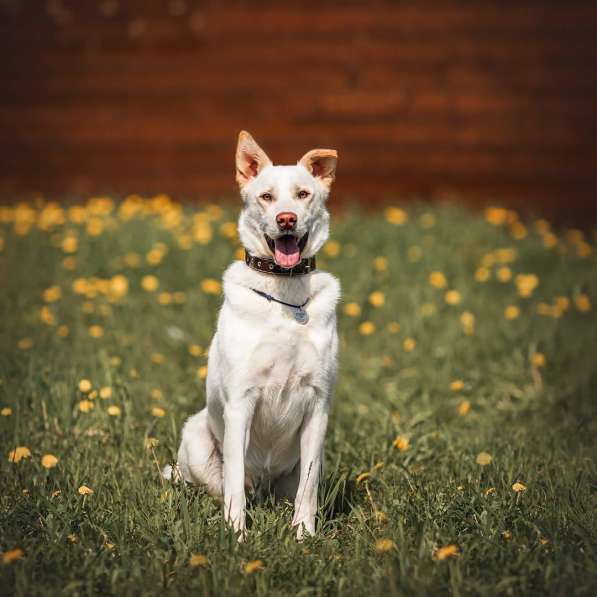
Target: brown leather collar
269,266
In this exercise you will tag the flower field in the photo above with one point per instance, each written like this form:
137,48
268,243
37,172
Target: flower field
460,455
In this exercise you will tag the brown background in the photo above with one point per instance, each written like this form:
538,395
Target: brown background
479,100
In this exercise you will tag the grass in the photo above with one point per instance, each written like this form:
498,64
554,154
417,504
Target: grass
418,515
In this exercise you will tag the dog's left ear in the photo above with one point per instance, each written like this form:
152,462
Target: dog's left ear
250,159
321,163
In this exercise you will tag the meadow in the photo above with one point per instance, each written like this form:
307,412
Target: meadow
459,458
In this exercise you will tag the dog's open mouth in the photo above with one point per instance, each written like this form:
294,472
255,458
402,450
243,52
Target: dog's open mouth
287,249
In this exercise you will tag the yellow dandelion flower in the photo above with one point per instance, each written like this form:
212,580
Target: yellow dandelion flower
19,453
156,411
526,284
49,461
438,279
542,226
456,385
449,551
518,487
63,331
253,566
393,327
85,386
467,320
583,303
384,545
352,309
362,477
507,535
545,309
367,328
114,411
482,274
496,215
69,263
511,312
96,331
119,286
195,350
550,240
504,274
70,244
402,443
85,406
132,260
490,491
464,408
25,343
84,490
332,248
202,372
149,283
414,253
72,538
452,297
156,394
211,286
228,230
105,392
154,257
88,307
12,555
377,298
6,411
165,298
158,358
583,250
518,231
380,264
52,294
46,316
483,458
409,344
95,227
395,215
198,559
538,359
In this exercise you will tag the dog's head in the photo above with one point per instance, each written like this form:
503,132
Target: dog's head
284,214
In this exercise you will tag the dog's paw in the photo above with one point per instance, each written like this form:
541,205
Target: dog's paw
172,473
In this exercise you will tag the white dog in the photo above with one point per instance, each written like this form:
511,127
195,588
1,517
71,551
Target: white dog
273,360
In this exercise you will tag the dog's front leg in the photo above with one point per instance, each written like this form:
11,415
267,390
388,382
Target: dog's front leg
238,414
312,437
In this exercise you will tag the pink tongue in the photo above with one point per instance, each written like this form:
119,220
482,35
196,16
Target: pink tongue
287,253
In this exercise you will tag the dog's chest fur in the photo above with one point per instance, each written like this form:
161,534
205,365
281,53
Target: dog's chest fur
261,350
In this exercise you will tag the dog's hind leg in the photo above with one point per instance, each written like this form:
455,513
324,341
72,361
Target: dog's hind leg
199,459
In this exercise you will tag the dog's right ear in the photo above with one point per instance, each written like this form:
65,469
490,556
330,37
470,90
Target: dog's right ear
250,159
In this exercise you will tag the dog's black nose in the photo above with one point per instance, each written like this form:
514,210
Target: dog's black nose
286,220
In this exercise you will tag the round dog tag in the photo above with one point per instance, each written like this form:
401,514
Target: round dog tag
300,315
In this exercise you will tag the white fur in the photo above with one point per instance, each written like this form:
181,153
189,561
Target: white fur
270,379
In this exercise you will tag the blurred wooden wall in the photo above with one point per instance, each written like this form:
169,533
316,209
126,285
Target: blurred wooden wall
474,99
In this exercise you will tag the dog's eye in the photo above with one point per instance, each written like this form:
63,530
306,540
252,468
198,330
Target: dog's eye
303,194
266,196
